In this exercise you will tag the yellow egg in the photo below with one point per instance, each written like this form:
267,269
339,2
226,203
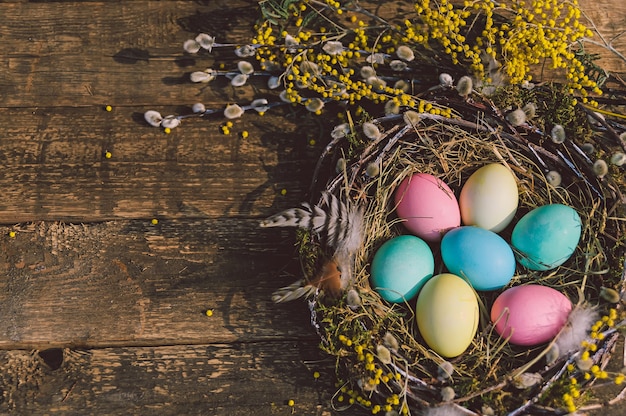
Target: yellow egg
447,314
489,198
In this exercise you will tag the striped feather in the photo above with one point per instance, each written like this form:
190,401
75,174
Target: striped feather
340,225
336,222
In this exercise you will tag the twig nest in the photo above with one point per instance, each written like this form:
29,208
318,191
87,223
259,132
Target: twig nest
416,322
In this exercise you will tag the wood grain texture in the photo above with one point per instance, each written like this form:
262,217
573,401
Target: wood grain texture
96,53
608,19
89,276
134,283
216,379
55,168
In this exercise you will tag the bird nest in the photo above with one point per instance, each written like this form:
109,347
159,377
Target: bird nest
383,362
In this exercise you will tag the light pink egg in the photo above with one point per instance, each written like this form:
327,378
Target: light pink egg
530,314
427,206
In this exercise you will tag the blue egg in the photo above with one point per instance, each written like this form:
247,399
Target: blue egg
400,268
481,256
546,237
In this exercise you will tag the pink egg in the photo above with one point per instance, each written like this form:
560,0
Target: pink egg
428,206
530,314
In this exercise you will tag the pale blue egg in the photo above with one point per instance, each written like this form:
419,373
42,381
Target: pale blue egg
480,256
400,268
546,237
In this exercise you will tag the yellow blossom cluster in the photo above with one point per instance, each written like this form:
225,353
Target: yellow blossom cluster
585,365
340,52
373,376
335,64
533,32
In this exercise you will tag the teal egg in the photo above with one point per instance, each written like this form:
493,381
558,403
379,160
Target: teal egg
481,256
546,237
400,268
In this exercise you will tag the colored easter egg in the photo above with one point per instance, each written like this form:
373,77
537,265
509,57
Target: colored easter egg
400,268
530,314
478,255
427,206
489,198
447,314
547,236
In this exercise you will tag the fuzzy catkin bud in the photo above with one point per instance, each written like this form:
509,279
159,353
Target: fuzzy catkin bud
405,53
367,72
202,76
170,122
402,85
245,67
371,130
464,86
557,134
260,105
609,294
530,109
198,108
273,82
600,168
390,341
339,131
376,83
383,354
392,107
205,41
526,380
372,170
191,46
487,411
333,47
239,80
245,51
397,65
445,370
554,178
618,158
584,365
446,80
447,394
233,111
411,118
353,299
588,148
314,105
516,117
153,118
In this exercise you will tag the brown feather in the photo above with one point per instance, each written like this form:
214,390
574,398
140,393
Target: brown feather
328,279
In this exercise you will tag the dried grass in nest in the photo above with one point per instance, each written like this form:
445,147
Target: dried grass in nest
487,372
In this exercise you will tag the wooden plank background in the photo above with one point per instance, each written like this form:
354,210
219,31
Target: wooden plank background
99,308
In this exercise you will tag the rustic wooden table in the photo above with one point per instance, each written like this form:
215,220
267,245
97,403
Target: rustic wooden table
102,311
